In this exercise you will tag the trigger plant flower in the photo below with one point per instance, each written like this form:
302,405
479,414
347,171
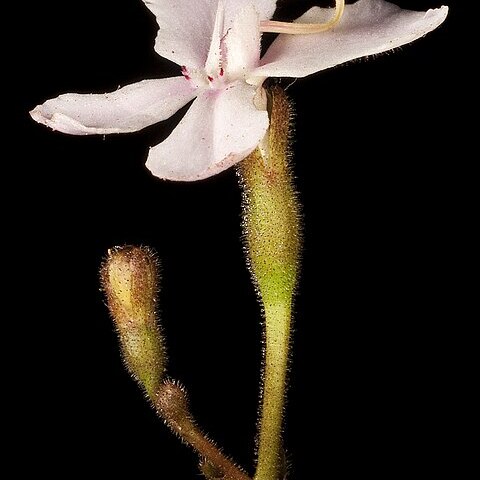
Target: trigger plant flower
217,45
232,117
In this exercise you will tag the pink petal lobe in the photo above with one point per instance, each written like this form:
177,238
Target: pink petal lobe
242,43
368,27
220,129
186,27
127,109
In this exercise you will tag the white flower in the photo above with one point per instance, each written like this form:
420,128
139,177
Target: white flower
216,43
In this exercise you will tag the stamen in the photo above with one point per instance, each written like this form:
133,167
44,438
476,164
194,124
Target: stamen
271,26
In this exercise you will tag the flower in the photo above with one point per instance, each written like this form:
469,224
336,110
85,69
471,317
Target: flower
217,43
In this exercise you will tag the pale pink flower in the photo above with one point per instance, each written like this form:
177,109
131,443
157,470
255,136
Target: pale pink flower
216,44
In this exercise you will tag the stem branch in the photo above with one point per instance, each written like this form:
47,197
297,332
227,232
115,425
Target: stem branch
172,405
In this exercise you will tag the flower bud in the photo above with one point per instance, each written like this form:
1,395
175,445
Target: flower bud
129,278
172,404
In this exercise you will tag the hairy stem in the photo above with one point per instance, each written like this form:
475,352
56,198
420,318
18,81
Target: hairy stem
172,405
277,335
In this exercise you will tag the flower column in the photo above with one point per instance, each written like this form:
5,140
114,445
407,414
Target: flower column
271,223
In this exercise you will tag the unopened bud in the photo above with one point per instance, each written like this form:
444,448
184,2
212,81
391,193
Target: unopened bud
172,404
129,277
130,280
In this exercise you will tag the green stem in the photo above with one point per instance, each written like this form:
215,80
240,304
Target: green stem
277,334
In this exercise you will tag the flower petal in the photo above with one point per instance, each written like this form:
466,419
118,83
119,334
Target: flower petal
367,27
212,65
264,8
220,129
187,26
128,109
185,29
242,42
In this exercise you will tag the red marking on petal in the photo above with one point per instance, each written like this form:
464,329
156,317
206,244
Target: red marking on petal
221,71
185,72
210,78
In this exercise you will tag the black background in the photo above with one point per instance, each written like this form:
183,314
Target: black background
372,359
